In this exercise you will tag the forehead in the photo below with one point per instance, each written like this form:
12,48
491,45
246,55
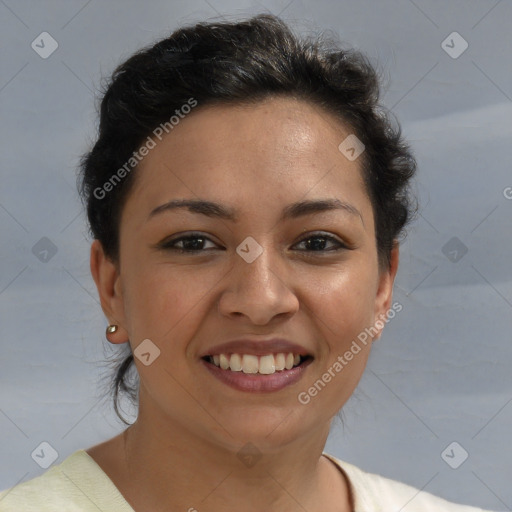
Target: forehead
281,126
278,148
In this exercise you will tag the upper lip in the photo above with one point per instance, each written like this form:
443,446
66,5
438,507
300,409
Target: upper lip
257,347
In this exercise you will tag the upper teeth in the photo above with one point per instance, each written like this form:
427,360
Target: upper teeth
248,363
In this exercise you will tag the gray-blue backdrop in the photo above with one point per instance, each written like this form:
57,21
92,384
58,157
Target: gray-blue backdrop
441,372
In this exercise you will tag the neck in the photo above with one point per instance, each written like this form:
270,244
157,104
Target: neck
172,468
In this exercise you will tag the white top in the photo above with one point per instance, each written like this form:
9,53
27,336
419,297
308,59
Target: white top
79,484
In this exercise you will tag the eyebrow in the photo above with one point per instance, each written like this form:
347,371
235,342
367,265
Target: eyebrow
291,211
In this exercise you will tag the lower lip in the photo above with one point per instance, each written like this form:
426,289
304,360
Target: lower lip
258,383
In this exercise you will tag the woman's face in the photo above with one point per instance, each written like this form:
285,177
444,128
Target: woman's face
310,277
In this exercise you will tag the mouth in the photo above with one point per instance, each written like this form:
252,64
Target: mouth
253,364
252,373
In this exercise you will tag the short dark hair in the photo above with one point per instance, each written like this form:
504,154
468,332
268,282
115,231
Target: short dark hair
227,63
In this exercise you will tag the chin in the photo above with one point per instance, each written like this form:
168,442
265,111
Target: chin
265,427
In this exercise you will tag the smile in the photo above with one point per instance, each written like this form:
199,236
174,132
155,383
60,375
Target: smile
248,372
249,363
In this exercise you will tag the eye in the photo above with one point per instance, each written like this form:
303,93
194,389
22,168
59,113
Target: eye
319,242
194,242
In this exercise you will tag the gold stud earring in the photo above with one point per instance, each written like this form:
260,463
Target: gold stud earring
111,329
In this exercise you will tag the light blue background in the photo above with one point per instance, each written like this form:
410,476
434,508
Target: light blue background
441,371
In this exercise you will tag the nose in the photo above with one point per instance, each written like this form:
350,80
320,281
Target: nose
258,290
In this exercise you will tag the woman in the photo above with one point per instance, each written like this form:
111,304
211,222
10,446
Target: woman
246,196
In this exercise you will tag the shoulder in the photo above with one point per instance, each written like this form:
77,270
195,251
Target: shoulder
77,483
380,494
34,494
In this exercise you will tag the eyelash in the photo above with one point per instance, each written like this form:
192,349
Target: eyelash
170,245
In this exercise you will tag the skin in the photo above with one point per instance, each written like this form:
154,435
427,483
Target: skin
182,450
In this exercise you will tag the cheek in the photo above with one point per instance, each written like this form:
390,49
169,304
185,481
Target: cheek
152,298
344,300
162,301
343,309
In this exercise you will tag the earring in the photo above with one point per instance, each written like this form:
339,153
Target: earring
111,329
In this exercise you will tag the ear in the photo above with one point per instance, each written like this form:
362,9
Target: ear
107,278
385,290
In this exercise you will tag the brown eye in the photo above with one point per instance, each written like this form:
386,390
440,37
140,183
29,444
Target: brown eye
192,243
317,243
